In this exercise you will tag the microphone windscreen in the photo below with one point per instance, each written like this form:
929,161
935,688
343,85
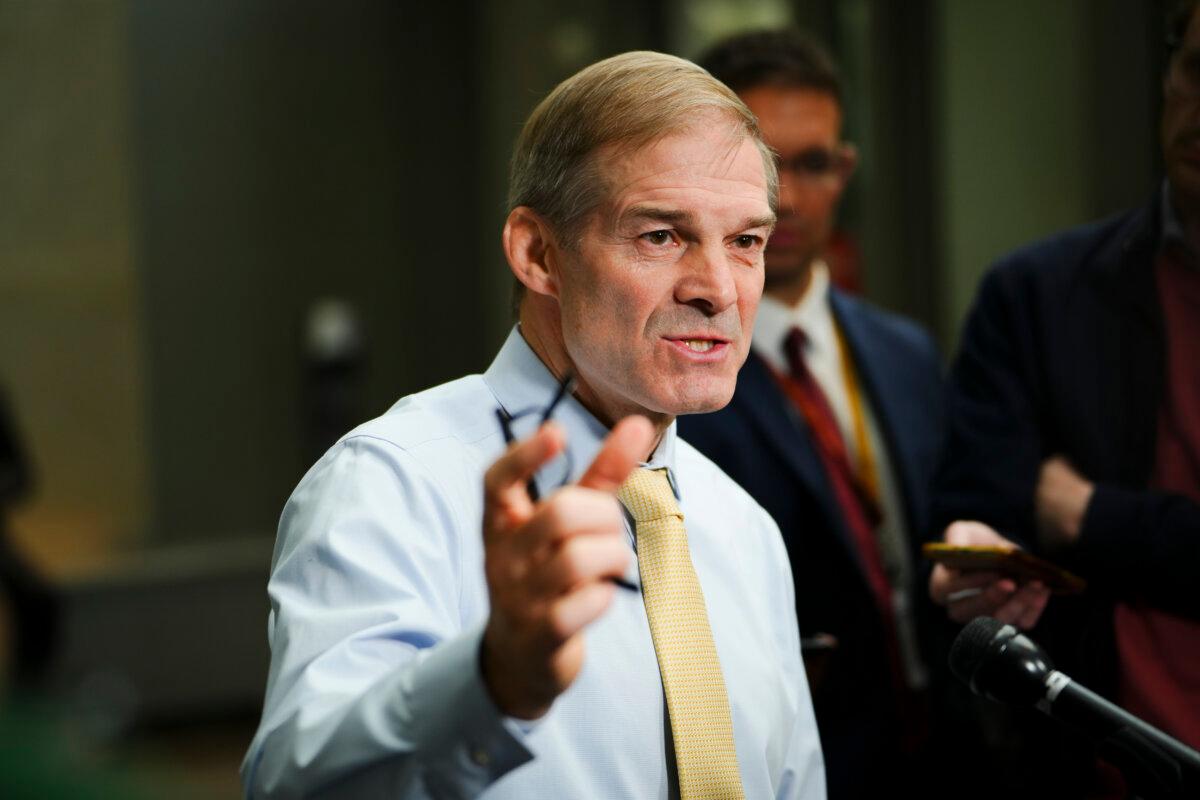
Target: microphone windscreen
971,646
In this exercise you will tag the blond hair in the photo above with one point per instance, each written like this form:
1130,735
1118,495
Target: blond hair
629,100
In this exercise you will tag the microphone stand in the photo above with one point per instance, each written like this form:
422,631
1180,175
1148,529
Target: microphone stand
1016,670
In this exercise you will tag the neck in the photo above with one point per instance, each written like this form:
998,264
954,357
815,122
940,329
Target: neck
541,329
790,290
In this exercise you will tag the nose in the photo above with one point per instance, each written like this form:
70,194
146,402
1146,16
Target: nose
707,282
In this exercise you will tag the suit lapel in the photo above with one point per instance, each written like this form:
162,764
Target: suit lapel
762,402
1131,389
882,379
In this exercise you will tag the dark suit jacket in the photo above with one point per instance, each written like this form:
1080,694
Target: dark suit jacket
1063,353
764,444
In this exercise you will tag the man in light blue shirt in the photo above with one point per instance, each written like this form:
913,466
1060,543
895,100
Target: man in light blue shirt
437,630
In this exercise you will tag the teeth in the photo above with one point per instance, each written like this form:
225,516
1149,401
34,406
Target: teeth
699,345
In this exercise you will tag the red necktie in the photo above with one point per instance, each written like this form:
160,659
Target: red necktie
858,510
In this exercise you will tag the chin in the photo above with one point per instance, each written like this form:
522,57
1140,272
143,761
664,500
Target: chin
700,402
786,268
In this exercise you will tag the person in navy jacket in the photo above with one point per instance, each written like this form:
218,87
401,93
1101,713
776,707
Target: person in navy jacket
834,428
1075,432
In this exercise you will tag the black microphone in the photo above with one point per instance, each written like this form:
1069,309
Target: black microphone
998,661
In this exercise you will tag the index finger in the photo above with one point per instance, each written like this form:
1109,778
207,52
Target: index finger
970,532
504,491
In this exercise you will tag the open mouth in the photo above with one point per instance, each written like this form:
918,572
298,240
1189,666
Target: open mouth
699,345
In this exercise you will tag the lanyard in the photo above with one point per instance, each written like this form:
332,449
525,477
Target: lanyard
868,475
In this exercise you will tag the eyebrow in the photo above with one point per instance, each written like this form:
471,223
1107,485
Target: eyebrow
676,216
767,221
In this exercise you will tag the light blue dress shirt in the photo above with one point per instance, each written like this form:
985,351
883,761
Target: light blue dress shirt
378,603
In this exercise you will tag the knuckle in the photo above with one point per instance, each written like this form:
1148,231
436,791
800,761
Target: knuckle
570,562
517,570
615,516
503,570
491,481
558,627
556,511
565,508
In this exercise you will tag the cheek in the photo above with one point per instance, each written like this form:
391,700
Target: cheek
818,204
749,286
600,315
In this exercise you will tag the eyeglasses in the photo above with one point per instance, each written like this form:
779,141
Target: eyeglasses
819,164
507,419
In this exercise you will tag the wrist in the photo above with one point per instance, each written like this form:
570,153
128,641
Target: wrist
505,685
1071,524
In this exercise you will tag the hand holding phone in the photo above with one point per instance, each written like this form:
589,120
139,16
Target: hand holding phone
979,574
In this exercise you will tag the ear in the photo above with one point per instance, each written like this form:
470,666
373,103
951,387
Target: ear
531,251
849,161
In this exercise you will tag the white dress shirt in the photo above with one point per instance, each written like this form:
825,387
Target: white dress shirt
378,602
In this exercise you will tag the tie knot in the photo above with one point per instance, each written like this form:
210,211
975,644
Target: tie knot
794,345
647,495
796,338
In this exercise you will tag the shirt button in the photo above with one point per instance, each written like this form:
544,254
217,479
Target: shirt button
481,757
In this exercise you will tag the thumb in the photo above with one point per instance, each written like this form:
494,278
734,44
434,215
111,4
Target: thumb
626,446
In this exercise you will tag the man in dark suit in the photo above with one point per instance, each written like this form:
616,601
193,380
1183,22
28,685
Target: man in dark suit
1075,432
834,429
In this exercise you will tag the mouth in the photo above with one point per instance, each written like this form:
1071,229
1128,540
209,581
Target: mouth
704,348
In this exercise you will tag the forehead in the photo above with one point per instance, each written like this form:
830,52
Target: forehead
794,116
715,166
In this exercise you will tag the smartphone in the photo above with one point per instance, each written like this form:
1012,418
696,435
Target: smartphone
1010,560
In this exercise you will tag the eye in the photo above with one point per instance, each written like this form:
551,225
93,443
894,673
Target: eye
816,161
747,241
658,238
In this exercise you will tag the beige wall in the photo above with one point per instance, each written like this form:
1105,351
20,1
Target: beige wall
69,331
1047,121
179,181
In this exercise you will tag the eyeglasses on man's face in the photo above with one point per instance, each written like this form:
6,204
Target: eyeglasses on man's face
818,164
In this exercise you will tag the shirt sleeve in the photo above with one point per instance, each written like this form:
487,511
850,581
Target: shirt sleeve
375,687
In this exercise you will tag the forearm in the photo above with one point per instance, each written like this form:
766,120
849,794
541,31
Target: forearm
375,635
1141,544
424,729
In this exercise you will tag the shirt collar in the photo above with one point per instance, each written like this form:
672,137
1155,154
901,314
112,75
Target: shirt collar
521,382
775,319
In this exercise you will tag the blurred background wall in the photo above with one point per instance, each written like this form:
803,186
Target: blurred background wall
182,183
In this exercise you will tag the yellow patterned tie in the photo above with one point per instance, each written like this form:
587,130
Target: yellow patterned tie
697,703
